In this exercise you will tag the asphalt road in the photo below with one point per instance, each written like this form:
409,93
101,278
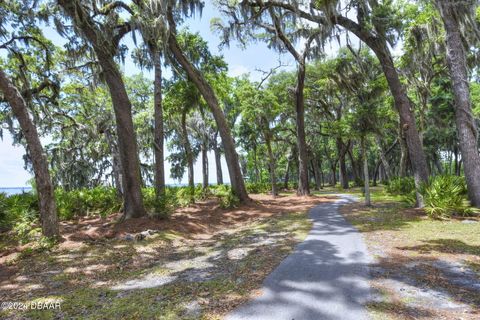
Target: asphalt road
326,277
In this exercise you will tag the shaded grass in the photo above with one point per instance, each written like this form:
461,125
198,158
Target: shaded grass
390,213
399,236
395,310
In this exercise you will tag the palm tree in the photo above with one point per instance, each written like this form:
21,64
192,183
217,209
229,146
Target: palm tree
103,29
458,15
154,31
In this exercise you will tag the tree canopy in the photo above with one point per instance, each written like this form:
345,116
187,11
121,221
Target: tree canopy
357,115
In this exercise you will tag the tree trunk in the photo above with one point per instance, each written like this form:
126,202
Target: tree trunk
158,137
287,173
438,164
271,162
205,165
402,102
383,158
322,177
402,171
188,151
365,173
450,158
455,161
255,164
116,167
218,161
127,144
46,196
341,149
355,165
376,172
231,156
316,172
333,180
466,127
407,121
303,185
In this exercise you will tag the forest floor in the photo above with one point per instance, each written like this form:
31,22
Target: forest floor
201,263
205,261
424,268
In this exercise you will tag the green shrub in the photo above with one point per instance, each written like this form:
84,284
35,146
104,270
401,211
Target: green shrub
27,230
225,195
20,212
3,211
163,207
266,187
166,205
445,196
185,195
16,207
358,182
400,186
258,187
149,197
85,202
201,193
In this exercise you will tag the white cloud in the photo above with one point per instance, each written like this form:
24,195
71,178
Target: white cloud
237,70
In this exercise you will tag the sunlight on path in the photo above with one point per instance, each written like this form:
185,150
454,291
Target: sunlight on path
326,277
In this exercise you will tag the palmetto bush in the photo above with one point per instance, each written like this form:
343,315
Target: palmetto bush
163,207
84,202
445,196
400,186
258,187
17,207
225,195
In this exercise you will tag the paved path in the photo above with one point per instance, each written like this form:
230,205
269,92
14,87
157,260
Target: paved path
326,277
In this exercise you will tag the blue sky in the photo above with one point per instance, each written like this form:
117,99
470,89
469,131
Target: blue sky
256,56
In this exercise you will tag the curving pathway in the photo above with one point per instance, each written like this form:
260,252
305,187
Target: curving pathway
326,277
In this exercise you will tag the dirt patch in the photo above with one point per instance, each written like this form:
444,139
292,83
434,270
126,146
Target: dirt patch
198,221
203,260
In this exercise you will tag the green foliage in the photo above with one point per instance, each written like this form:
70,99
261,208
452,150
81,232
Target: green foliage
225,195
445,196
86,202
17,207
26,230
185,196
201,193
475,92
258,187
358,182
163,207
400,186
20,212
3,207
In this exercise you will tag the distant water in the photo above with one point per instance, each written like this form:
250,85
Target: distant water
19,190
16,190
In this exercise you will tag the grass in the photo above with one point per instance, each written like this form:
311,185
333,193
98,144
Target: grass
398,235
85,278
414,228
